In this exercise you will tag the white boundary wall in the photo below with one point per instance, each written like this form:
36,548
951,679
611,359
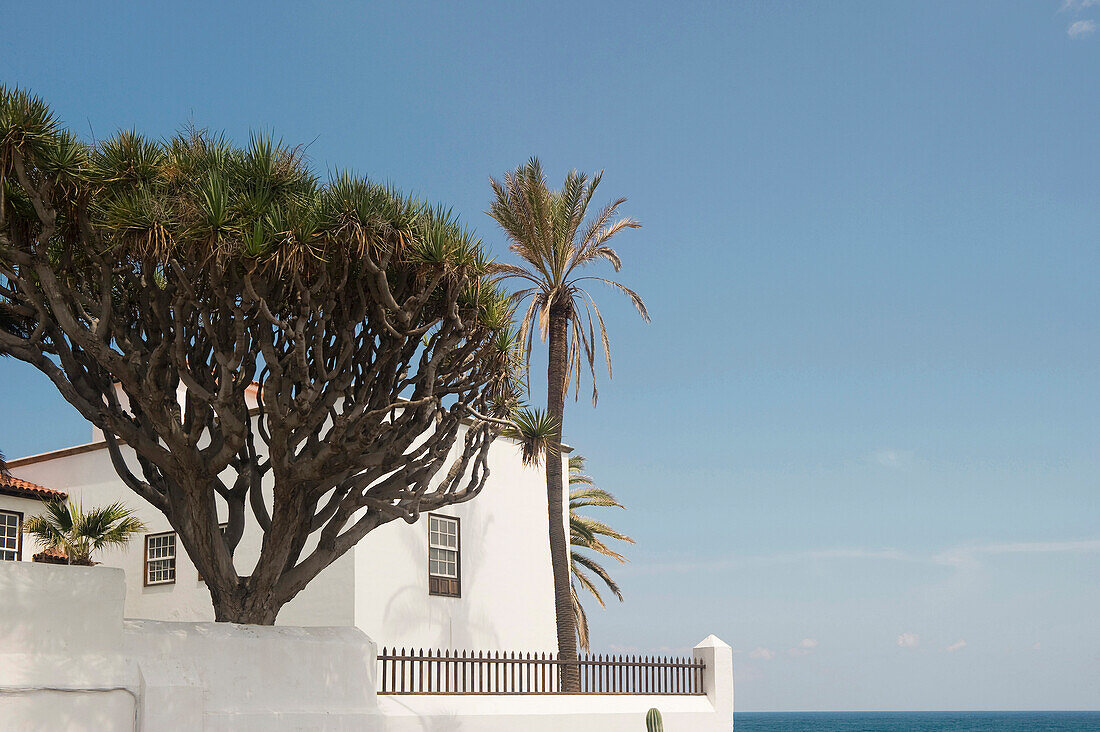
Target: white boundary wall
69,662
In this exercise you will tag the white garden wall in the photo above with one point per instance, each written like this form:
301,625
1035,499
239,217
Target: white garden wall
69,662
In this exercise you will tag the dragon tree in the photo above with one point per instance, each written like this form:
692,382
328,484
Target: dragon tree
160,284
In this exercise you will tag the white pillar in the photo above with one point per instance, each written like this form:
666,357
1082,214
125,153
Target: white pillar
717,679
60,665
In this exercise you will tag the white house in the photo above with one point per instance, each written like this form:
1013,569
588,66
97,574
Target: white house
473,575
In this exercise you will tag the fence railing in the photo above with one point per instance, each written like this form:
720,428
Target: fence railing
463,672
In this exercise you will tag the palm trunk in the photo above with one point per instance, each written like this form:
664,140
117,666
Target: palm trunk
559,543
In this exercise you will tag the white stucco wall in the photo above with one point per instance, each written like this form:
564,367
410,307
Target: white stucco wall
69,663
507,585
60,663
381,586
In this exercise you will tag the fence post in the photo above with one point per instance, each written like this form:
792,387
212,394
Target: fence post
717,658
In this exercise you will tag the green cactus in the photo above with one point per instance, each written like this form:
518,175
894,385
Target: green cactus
653,721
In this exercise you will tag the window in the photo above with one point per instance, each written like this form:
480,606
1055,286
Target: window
160,558
443,562
11,535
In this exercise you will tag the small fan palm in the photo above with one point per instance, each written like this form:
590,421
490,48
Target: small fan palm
67,528
588,533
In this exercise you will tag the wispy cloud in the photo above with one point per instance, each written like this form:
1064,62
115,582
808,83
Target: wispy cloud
963,555
908,640
1076,6
1037,647
639,650
858,554
956,646
762,654
891,458
805,647
967,555
1081,28
746,672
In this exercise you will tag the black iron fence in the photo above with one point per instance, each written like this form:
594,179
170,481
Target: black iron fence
464,672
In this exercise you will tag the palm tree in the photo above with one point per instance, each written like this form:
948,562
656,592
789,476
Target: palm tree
548,231
588,533
67,528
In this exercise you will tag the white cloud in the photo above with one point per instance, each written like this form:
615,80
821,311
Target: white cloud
968,555
908,640
805,647
891,458
1081,28
957,645
762,654
962,556
856,554
1076,6
746,672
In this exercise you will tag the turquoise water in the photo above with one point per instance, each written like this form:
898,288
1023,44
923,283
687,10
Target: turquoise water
918,722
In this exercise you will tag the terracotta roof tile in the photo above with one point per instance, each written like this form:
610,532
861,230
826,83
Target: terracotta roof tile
51,556
12,486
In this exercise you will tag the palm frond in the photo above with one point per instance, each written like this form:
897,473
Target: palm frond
592,496
582,618
635,298
579,533
585,533
584,580
576,471
600,572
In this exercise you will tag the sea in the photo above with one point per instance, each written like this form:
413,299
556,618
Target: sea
916,722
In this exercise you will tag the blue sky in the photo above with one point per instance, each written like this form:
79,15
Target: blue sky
859,439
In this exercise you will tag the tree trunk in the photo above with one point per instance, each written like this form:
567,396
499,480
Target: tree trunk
252,600
559,542
245,608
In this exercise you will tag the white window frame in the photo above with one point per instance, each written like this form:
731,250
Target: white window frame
18,549
171,558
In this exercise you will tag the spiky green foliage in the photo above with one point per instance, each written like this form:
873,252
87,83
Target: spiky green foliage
586,533
534,430
176,273
653,722
66,527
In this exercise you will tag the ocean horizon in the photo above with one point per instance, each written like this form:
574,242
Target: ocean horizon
984,721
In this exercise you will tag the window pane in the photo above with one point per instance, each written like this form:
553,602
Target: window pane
443,532
443,562
160,555
9,536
